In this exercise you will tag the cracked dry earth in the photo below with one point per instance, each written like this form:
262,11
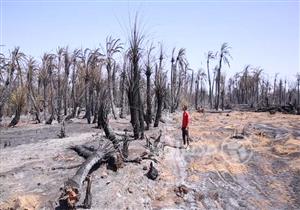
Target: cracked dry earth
239,160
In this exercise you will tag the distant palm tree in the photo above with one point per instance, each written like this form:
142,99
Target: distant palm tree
60,52
32,68
201,77
113,46
210,56
257,73
224,56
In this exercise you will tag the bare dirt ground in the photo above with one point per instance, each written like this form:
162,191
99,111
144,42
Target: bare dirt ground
259,169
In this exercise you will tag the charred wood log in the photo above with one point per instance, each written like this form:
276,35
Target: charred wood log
82,151
287,109
71,191
87,203
65,167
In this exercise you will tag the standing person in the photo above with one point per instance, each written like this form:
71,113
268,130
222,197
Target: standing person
185,126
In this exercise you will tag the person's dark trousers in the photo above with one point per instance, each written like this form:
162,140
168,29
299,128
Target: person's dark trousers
185,136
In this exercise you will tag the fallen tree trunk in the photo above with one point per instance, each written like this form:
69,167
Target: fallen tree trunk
286,109
71,192
218,111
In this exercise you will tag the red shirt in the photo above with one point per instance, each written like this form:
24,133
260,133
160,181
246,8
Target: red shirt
185,119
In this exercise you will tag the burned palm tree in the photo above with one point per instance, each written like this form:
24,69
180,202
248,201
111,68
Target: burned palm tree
122,85
133,81
13,70
177,77
92,62
160,88
201,77
257,74
31,72
50,66
210,56
18,99
5,84
67,64
274,88
148,73
224,56
60,56
113,46
76,61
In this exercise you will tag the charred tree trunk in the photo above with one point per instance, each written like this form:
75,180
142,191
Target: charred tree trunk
141,116
86,97
110,89
159,100
160,89
122,89
148,113
16,118
1,112
49,121
35,106
59,93
209,85
218,80
89,106
197,94
103,121
45,84
66,81
87,203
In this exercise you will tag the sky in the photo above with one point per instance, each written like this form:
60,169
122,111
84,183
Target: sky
261,33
